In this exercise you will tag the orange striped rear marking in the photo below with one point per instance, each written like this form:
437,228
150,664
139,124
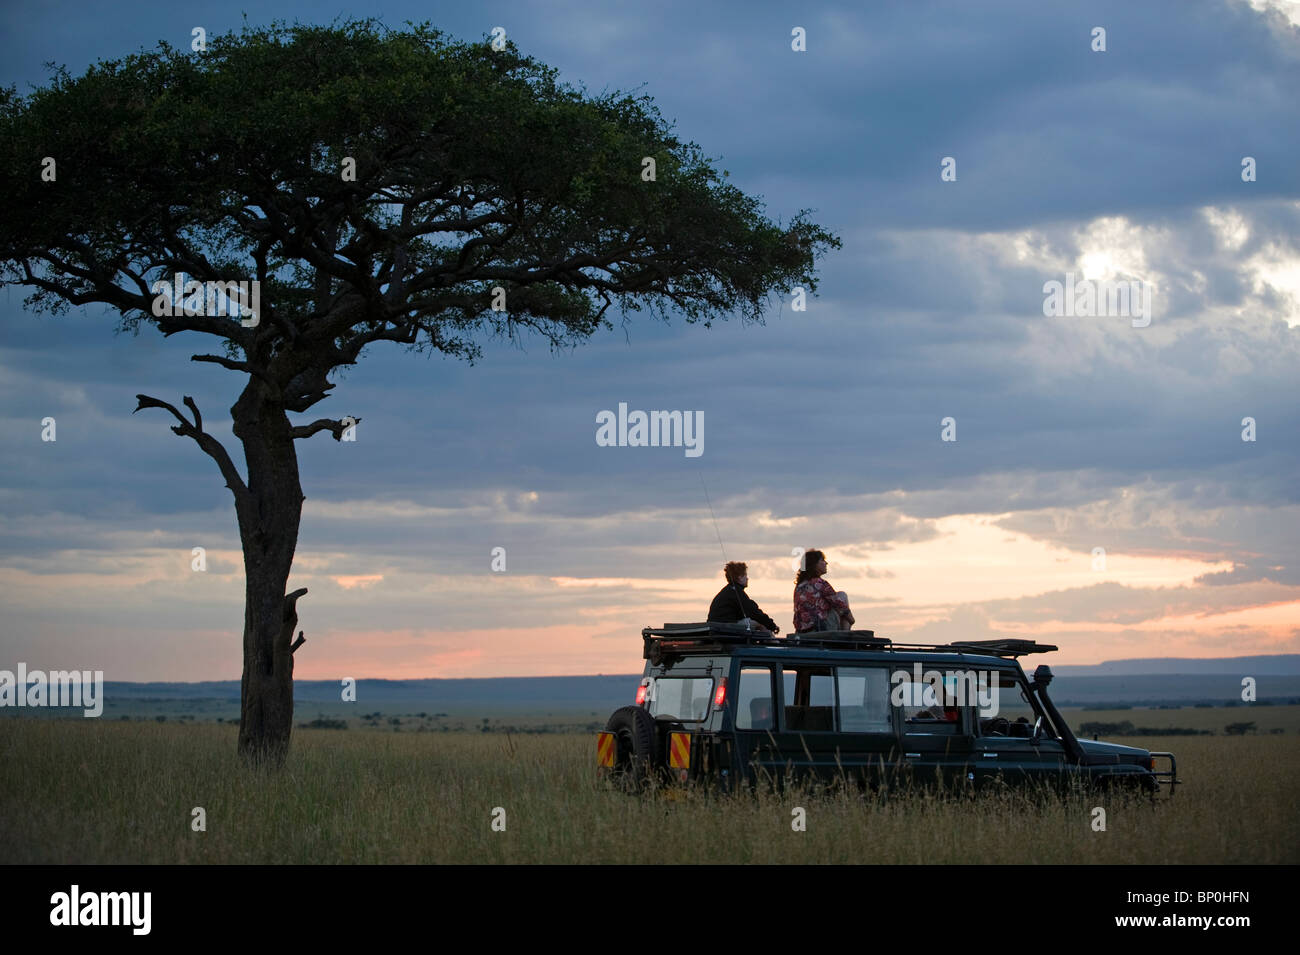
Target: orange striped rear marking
679,750
605,750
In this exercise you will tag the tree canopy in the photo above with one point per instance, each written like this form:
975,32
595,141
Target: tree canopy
474,168
378,186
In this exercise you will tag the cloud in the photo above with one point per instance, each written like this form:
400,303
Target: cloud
822,426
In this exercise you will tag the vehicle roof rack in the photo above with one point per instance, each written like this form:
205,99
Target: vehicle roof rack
674,638
679,638
988,648
839,640
1006,647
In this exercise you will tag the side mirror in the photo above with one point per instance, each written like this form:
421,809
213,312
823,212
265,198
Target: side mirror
1038,731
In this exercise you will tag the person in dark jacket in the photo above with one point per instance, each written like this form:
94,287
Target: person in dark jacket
733,605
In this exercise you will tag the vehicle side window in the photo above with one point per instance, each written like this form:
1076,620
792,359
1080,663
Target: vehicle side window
864,700
756,701
1015,714
927,709
809,699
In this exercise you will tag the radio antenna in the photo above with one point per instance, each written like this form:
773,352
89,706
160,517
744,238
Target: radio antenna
740,603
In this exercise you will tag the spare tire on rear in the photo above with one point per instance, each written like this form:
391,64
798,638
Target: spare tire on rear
636,747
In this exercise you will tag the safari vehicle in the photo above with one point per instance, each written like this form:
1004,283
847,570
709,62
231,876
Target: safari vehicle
727,706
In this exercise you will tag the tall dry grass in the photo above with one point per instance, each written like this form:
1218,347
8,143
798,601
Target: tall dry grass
94,792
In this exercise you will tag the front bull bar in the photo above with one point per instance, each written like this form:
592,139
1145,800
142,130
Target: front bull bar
1167,776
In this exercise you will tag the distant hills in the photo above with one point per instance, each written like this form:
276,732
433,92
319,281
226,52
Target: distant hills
515,693
1118,682
1281,664
1172,680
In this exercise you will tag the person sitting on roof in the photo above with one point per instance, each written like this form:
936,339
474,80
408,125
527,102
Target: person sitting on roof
817,605
733,605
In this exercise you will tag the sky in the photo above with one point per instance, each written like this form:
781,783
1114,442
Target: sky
1098,495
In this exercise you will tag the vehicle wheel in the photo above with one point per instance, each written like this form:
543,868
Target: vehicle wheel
637,755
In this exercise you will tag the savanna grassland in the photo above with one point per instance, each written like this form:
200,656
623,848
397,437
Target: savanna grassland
86,791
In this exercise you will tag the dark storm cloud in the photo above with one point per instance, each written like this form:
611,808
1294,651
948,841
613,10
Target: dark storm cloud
813,412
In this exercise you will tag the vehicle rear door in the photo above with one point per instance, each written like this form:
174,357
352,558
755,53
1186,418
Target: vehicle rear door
680,698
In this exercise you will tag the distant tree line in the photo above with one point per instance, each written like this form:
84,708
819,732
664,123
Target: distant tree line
1126,728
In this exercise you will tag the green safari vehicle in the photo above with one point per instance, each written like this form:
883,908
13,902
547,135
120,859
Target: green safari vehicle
729,706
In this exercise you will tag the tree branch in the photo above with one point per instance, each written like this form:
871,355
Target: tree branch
234,366
323,424
405,333
289,620
210,445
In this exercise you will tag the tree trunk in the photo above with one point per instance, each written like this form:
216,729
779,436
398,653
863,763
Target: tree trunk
268,528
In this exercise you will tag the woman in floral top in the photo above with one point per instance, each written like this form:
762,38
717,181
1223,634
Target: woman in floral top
817,605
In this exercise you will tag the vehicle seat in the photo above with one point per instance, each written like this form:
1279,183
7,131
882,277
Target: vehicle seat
810,718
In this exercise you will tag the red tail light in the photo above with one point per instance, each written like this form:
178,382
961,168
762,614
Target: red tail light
641,692
720,696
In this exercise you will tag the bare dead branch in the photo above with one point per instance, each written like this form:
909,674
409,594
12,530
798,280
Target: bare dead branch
210,445
289,620
194,410
335,427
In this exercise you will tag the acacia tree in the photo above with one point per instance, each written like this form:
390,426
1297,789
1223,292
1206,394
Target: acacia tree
379,186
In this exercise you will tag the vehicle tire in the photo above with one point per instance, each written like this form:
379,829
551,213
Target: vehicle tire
636,751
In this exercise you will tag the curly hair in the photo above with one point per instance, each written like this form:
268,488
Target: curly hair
808,566
734,570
